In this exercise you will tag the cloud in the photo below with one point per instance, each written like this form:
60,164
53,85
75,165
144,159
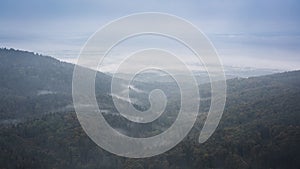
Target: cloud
258,29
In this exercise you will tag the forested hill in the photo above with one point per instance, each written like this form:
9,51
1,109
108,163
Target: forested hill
26,73
32,84
260,127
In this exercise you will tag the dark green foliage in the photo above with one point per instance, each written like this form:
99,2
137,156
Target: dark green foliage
32,84
260,128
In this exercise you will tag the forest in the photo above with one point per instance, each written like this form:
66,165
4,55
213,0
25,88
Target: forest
260,127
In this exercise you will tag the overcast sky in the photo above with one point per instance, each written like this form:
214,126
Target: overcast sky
254,33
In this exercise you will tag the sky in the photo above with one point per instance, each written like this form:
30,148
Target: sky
254,33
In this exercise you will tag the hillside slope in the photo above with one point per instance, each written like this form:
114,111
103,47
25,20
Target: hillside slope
32,84
260,129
